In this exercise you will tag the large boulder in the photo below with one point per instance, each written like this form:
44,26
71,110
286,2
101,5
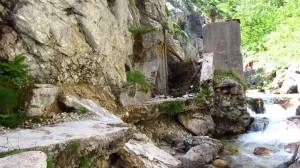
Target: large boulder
145,154
32,159
256,105
197,123
43,99
201,151
291,79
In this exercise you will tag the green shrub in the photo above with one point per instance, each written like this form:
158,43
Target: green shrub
165,25
11,120
75,144
137,77
178,30
167,11
15,84
85,162
9,100
142,30
81,110
172,107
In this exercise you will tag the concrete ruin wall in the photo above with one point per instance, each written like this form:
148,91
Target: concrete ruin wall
223,39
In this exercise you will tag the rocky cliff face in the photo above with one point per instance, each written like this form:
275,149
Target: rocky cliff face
88,41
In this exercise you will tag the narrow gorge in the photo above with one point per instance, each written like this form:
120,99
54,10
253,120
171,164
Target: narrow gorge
121,84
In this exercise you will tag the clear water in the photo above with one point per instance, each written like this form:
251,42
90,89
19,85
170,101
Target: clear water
278,134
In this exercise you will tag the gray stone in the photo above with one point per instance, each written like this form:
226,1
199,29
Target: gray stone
185,144
223,39
32,159
291,79
197,123
225,103
146,154
207,71
96,130
43,99
298,110
134,96
199,156
75,101
259,124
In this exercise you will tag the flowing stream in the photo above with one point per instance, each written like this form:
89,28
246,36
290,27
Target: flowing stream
277,134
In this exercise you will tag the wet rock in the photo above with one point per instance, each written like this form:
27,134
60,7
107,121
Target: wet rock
259,124
284,103
295,165
291,147
219,163
295,120
145,154
298,110
199,156
256,105
43,99
262,151
32,159
197,123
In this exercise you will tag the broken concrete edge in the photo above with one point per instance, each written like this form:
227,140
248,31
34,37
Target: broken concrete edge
77,149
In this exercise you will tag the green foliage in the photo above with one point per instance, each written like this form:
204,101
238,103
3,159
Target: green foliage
15,84
201,95
219,75
9,100
165,25
229,116
172,107
75,144
167,11
179,31
137,77
81,110
8,153
85,162
11,120
142,30
221,8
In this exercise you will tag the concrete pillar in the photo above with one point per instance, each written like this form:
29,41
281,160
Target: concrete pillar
223,39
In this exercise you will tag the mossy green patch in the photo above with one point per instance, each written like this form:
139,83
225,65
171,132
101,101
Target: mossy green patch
136,77
85,162
172,107
219,75
8,153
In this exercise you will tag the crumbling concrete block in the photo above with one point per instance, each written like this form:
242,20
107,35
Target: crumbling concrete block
223,39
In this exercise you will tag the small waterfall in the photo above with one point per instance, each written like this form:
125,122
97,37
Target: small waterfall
279,132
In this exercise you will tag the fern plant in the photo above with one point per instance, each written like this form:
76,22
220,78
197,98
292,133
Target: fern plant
15,84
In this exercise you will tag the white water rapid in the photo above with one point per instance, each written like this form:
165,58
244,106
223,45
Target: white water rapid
277,134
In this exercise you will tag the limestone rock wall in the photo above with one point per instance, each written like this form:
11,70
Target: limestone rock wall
191,22
69,41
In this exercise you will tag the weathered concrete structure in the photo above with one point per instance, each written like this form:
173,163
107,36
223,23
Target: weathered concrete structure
223,39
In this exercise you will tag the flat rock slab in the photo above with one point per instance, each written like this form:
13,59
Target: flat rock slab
32,159
146,154
103,131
